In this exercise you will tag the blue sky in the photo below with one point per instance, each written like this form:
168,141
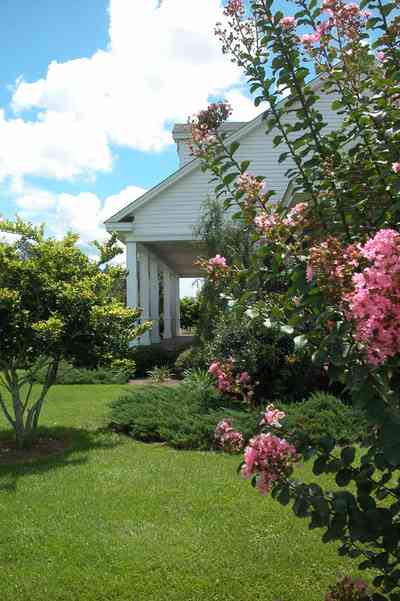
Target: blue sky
89,91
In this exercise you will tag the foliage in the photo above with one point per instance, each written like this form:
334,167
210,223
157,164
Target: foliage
119,372
267,354
183,416
147,358
325,415
55,304
160,374
191,358
220,235
334,258
190,312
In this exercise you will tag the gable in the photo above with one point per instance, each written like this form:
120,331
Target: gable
175,204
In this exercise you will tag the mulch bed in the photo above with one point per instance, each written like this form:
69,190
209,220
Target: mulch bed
42,447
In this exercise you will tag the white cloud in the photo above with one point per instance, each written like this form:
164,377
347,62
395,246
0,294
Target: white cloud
82,213
161,65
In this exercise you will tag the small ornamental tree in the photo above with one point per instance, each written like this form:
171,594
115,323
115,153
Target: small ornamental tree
338,250
55,304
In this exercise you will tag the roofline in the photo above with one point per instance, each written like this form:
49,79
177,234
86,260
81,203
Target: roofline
195,163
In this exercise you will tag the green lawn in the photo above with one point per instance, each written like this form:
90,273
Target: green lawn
112,519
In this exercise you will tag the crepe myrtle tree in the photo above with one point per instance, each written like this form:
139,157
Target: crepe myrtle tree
55,304
338,250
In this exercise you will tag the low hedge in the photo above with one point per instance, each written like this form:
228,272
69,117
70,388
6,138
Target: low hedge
322,414
67,374
185,416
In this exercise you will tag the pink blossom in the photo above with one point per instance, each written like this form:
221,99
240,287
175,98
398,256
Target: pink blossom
234,8
270,458
264,222
310,38
250,185
244,377
229,438
309,273
374,303
296,214
214,368
272,416
287,23
396,167
381,56
218,261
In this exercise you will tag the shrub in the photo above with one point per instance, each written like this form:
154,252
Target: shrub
190,358
269,357
190,308
325,415
117,373
184,416
160,374
148,357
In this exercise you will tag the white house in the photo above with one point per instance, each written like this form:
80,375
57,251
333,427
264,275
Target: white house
158,227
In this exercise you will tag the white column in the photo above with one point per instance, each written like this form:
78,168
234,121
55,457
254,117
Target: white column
167,304
132,282
144,274
154,300
132,291
178,308
174,304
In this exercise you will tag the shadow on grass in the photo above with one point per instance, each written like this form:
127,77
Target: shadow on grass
61,447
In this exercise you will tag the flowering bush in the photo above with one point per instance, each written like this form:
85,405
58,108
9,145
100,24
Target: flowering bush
349,589
229,381
332,281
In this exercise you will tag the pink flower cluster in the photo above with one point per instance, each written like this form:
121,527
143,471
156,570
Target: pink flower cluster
333,266
272,416
348,589
264,222
396,167
228,438
288,23
250,186
234,8
347,18
270,458
296,215
216,268
205,124
229,381
374,304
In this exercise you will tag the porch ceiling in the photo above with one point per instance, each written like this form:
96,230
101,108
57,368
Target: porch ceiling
179,256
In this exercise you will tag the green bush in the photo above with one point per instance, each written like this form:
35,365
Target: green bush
184,416
148,357
325,415
191,358
67,374
190,311
268,355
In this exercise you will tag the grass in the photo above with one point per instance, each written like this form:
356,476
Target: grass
112,519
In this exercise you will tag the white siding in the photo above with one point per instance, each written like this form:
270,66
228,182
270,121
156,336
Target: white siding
176,210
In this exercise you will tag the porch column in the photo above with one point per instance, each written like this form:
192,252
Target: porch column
175,309
154,300
144,274
132,280
132,290
178,308
167,304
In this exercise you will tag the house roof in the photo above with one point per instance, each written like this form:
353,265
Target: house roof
192,165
